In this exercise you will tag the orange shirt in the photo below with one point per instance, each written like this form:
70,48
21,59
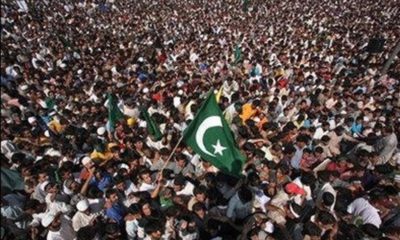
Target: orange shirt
247,112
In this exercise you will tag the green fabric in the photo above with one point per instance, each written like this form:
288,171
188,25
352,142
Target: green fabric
152,127
166,202
245,5
114,114
238,54
11,180
210,136
49,103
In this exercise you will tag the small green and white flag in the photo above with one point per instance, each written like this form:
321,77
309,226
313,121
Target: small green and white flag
210,136
114,113
238,54
152,127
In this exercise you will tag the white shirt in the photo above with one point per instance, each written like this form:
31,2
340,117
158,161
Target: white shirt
187,190
131,228
147,187
80,220
56,206
327,187
65,233
362,208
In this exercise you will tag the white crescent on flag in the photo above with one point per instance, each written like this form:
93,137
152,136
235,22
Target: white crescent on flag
210,122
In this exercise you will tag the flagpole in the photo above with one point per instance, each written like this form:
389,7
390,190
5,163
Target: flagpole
170,156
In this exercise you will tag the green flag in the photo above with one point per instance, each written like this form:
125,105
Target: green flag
152,127
114,114
210,137
11,180
238,54
245,5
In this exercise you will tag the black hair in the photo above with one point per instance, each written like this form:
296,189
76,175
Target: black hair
328,199
199,206
86,233
200,190
153,226
326,218
307,178
110,192
112,228
245,195
312,229
371,230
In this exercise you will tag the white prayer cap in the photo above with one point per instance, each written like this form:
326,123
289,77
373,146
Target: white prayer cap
43,185
269,227
48,219
80,71
382,119
145,90
31,120
82,205
101,131
86,160
179,84
123,165
302,89
24,87
180,92
140,59
47,133
365,119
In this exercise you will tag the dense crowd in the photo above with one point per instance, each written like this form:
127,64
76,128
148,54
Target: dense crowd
305,97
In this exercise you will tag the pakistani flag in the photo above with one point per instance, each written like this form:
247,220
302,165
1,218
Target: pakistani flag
114,114
210,137
152,127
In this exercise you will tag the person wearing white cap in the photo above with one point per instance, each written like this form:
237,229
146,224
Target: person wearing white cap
83,217
59,226
87,163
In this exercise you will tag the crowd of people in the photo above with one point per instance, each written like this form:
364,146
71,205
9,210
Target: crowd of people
298,82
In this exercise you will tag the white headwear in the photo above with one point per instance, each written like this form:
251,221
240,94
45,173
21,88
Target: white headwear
101,131
43,185
31,120
48,219
86,160
47,133
82,205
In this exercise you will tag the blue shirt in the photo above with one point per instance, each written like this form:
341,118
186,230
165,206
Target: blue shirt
103,183
296,159
116,213
356,128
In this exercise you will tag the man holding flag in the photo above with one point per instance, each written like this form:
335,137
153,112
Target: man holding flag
210,136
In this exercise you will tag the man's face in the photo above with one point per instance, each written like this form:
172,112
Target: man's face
201,197
75,187
43,177
156,235
177,188
146,178
114,198
56,222
181,163
139,145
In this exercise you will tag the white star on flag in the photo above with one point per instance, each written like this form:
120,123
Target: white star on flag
218,148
